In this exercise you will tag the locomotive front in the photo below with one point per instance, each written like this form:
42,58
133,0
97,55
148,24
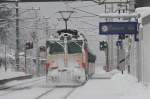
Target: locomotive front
67,59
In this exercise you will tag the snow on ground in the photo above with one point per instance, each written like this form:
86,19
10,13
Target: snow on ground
9,74
25,89
27,93
100,73
118,87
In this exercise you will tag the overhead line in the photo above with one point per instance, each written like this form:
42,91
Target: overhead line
77,17
89,23
86,6
85,11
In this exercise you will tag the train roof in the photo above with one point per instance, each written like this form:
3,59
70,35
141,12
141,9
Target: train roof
70,31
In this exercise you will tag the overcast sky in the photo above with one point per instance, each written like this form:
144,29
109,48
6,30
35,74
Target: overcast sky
49,9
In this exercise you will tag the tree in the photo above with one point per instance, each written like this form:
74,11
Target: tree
5,13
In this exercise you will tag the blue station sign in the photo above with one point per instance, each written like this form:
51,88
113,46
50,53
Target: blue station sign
115,28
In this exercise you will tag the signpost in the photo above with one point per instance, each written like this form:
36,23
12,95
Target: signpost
117,28
120,29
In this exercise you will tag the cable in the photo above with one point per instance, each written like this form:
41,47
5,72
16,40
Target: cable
89,23
85,11
87,28
78,17
86,6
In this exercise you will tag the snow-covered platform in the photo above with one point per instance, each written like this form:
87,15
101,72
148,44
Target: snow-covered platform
102,74
10,75
118,87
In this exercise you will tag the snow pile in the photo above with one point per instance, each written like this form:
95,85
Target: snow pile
9,74
100,73
118,87
130,86
124,80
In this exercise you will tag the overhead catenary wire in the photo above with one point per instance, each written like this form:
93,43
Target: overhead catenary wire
89,23
85,11
86,6
79,17
111,15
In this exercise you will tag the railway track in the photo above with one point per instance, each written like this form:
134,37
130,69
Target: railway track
69,93
62,93
21,85
45,93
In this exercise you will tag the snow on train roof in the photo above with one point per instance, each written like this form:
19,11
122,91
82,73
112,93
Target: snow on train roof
73,32
75,35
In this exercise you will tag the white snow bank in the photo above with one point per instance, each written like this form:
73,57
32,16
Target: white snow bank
119,87
100,73
144,11
9,74
130,86
124,79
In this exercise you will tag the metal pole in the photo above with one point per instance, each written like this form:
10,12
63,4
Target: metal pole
110,38
25,56
112,43
47,32
139,59
107,49
107,58
66,52
66,23
17,35
5,58
36,40
118,57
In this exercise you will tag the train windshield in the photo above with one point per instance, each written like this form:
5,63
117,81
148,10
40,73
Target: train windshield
74,47
55,48
58,47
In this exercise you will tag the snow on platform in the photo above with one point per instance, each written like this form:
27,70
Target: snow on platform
9,74
102,74
118,87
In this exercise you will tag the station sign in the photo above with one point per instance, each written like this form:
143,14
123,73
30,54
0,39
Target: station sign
117,28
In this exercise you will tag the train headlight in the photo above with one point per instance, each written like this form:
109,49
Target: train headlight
79,75
53,75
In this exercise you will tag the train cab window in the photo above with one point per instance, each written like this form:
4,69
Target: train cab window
74,47
55,48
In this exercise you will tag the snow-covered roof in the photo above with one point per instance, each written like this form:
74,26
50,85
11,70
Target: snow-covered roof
144,11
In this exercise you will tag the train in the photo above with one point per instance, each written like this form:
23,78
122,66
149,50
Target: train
69,60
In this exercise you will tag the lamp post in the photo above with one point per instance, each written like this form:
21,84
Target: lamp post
17,34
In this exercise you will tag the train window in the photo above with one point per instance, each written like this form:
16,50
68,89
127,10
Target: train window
74,47
55,48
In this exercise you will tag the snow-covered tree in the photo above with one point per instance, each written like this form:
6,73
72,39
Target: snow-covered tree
5,23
